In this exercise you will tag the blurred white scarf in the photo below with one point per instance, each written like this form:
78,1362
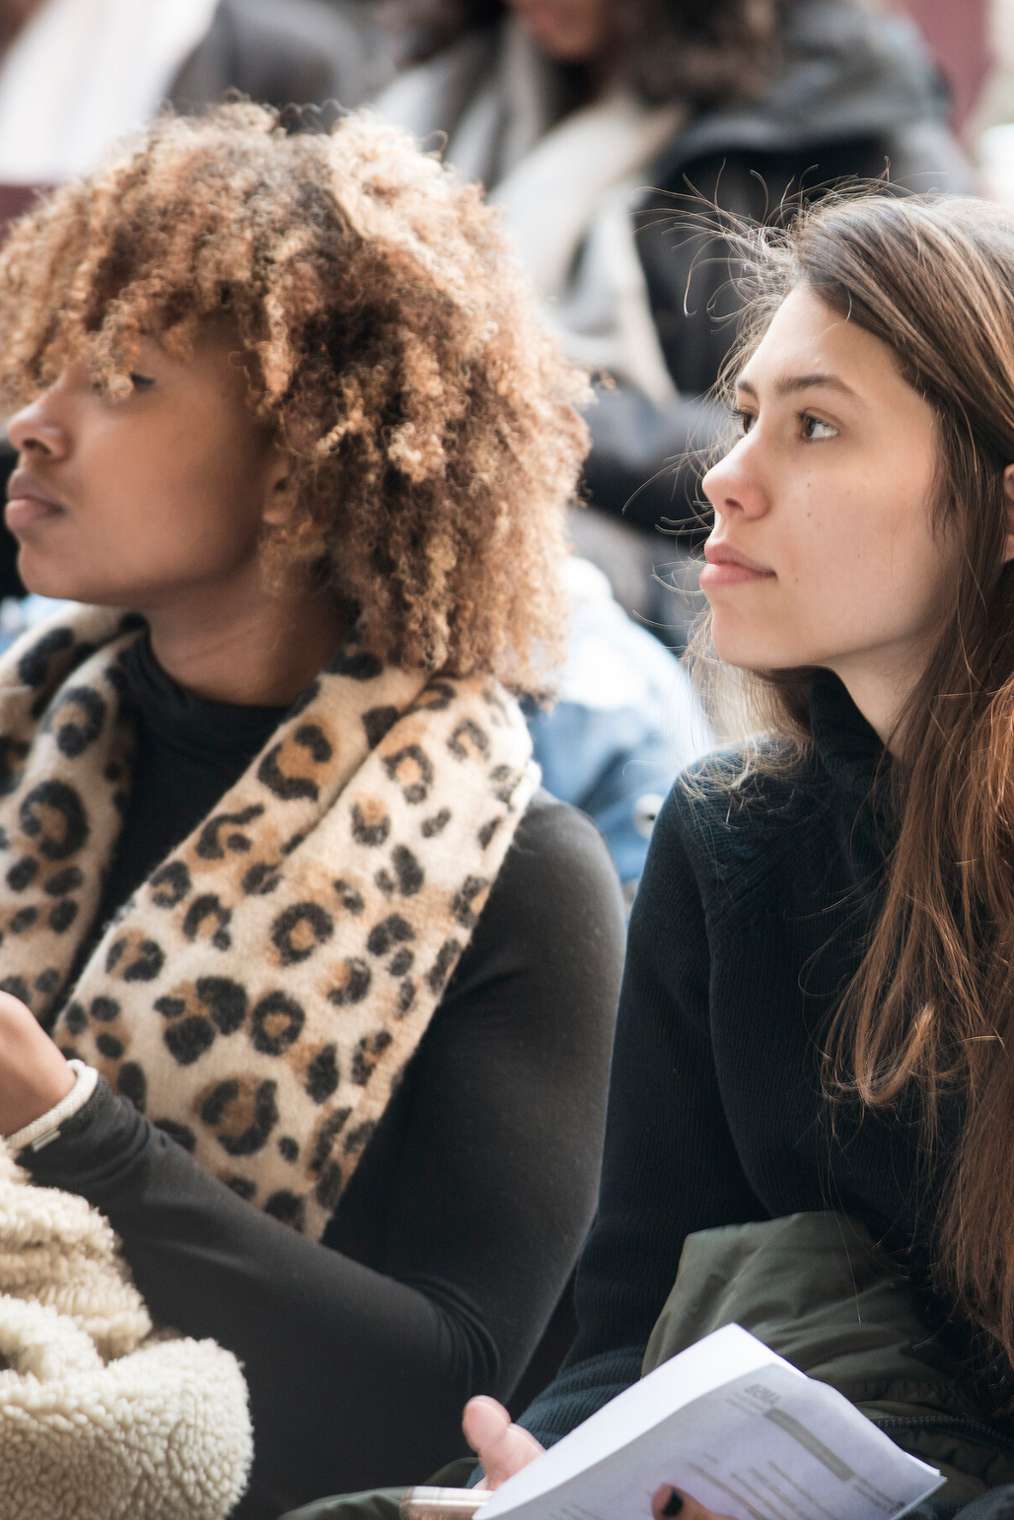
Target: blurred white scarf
81,73
566,185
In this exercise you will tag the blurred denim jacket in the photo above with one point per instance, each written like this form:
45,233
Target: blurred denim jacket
625,724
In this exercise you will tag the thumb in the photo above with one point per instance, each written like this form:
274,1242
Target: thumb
667,1502
502,1448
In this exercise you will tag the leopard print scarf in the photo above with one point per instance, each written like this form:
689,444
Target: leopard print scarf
259,995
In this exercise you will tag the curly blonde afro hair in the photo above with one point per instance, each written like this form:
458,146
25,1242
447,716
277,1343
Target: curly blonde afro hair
391,347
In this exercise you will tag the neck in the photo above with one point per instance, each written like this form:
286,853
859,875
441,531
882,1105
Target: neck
262,655
880,694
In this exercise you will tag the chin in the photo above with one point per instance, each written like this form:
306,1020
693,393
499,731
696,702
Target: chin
735,647
60,583
735,642
561,46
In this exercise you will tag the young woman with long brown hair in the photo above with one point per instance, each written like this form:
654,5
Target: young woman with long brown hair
812,1102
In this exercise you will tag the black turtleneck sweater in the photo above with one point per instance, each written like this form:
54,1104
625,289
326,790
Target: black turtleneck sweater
748,924
458,1229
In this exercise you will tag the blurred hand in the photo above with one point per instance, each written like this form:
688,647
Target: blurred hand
33,1073
502,1448
668,1501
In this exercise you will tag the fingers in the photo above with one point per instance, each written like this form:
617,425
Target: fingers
667,1502
14,1008
502,1448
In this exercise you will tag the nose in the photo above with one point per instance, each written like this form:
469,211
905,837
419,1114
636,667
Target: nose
734,485
36,429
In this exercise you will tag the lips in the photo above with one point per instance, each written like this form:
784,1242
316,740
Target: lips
24,484
29,501
724,554
727,566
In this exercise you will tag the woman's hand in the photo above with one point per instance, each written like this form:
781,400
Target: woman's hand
668,1501
33,1074
502,1448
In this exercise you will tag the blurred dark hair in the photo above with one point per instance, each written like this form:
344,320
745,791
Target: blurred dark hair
697,51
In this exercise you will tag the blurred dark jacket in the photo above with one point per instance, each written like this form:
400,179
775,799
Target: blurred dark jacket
857,96
280,52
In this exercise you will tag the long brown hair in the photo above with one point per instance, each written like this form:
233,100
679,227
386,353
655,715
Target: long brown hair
931,1007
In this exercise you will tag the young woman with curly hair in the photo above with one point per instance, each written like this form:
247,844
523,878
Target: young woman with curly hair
274,858
607,110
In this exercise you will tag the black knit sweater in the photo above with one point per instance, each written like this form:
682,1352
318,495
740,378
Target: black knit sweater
748,924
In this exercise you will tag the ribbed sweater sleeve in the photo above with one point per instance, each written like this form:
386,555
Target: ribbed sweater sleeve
670,1164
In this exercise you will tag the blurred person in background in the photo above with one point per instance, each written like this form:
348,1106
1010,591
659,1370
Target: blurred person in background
580,114
76,74
626,722
959,39
991,127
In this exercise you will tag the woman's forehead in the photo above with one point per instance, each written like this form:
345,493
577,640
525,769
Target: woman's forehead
808,340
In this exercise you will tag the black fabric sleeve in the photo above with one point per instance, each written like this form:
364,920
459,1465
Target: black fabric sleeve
357,1372
670,1165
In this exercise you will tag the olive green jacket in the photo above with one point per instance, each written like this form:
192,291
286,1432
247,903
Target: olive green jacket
816,1290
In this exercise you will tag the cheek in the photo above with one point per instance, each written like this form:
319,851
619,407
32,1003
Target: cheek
171,511
208,490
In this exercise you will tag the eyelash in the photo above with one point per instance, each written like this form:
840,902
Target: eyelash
746,419
141,382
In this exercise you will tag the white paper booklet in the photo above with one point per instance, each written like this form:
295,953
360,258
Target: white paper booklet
737,1427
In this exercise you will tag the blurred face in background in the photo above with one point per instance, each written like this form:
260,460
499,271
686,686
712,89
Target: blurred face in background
571,31
13,15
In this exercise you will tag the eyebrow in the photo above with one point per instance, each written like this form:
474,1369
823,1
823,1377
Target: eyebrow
788,385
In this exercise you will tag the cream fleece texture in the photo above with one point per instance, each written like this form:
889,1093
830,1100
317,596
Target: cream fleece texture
100,1416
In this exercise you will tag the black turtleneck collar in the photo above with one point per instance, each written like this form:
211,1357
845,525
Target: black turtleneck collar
188,752
848,748
173,717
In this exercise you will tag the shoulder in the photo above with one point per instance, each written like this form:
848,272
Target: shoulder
731,817
555,902
556,847
300,52
300,25
854,86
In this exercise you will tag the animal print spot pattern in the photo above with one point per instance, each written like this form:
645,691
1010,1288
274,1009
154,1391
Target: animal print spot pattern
242,852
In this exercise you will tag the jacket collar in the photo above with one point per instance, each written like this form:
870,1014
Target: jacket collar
847,72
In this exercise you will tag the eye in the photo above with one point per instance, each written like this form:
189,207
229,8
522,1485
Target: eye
744,420
141,382
815,429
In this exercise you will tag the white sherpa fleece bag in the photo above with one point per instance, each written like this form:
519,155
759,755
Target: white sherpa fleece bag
100,1417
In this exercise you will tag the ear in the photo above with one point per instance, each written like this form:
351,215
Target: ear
277,499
